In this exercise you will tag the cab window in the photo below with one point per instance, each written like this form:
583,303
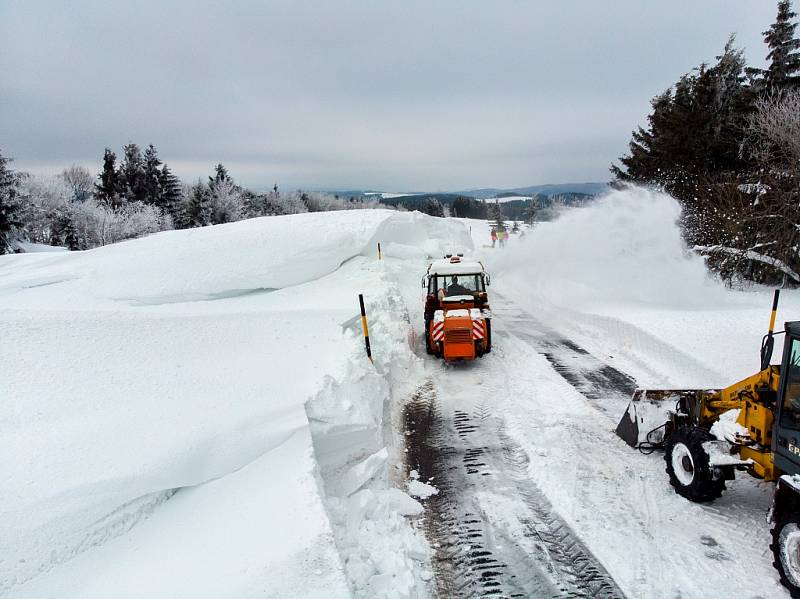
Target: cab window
461,283
790,412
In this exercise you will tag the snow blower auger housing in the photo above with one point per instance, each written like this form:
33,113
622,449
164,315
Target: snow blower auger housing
751,426
457,315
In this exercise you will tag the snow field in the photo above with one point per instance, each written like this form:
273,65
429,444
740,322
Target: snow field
162,386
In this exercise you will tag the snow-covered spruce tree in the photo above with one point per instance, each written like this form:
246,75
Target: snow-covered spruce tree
220,176
151,177
108,188
9,204
197,207
131,174
171,193
530,211
496,216
784,51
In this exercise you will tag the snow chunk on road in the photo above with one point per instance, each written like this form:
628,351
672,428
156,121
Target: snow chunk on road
417,488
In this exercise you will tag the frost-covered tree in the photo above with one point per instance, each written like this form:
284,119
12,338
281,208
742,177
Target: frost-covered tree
9,204
773,133
226,201
107,190
80,180
42,202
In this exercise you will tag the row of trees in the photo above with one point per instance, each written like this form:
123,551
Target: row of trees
725,141
138,196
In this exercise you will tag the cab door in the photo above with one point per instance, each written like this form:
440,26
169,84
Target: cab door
786,437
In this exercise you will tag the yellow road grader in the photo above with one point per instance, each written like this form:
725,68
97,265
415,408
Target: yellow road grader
751,426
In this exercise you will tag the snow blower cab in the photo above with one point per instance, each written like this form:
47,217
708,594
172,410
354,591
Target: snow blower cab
457,315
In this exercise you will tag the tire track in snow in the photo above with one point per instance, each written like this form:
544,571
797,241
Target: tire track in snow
493,533
606,388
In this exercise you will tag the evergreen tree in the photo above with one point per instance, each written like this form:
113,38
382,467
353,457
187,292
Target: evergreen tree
198,207
131,174
220,176
170,199
530,211
784,56
9,204
496,216
151,177
107,190
433,207
694,129
64,231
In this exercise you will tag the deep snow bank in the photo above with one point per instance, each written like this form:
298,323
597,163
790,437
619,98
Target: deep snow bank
124,393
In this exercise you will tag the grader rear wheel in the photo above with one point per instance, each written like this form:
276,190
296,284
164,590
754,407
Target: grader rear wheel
687,465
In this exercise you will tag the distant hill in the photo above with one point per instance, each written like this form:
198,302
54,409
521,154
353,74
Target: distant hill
545,190
550,189
474,203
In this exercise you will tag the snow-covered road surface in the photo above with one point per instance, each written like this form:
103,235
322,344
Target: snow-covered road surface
538,497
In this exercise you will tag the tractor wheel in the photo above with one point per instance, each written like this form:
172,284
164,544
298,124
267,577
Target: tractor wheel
786,551
428,337
488,322
687,465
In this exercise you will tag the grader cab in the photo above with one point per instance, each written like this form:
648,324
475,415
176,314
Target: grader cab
457,314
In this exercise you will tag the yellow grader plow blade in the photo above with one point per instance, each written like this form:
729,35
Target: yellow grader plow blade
649,413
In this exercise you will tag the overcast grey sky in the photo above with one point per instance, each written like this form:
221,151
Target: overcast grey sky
403,95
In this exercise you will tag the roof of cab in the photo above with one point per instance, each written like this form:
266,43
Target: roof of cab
455,265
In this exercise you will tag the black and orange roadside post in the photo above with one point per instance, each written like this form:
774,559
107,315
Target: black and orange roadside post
364,323
380,255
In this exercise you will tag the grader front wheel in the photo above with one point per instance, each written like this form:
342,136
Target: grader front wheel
687,465
786,551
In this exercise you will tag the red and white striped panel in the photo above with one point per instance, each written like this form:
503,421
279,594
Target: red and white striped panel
437,331
478,329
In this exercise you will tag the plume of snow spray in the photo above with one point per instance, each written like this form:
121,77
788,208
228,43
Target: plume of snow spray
626,246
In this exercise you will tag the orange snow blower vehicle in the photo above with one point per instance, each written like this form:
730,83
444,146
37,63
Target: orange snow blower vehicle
457,314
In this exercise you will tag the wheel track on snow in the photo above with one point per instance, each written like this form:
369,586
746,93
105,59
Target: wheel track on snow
473,557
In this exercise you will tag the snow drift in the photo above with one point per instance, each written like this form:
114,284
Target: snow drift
126,389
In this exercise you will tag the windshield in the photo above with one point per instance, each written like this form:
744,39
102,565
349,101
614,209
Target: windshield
457,284
790,414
